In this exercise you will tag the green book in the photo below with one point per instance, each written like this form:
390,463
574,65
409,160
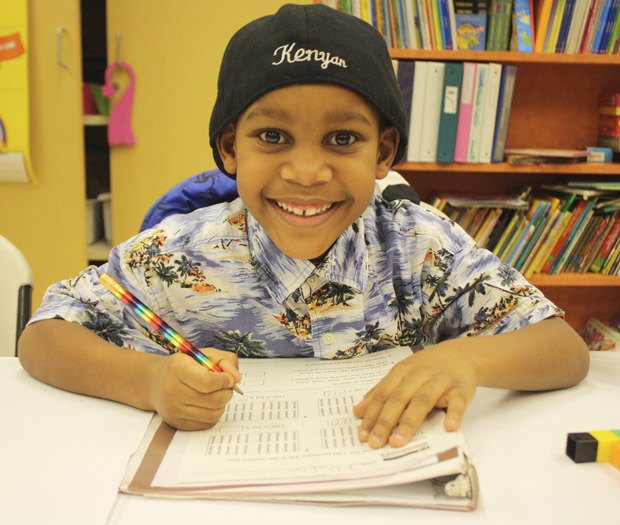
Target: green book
448,118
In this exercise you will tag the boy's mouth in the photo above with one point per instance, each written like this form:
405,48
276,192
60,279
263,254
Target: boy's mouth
304,210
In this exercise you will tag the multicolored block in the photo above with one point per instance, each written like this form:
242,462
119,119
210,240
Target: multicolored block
594,446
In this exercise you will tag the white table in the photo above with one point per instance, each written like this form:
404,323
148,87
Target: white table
62,457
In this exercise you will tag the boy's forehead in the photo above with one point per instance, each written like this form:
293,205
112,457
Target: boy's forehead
327,102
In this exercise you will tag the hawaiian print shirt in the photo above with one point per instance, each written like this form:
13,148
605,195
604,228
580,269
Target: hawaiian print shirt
399,275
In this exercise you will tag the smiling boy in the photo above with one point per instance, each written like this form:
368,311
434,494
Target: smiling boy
307,262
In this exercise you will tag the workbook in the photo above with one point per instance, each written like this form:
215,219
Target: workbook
292,437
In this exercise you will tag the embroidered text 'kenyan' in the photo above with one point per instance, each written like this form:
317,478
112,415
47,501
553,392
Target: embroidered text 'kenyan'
290,54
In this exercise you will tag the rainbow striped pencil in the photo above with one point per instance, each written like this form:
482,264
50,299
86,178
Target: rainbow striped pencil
158,324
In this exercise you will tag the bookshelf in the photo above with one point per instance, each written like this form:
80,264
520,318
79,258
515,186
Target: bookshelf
554,106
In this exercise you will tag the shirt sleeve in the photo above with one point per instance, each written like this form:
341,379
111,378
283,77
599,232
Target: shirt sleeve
471,292
85,301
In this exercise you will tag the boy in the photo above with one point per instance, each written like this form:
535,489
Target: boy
307,261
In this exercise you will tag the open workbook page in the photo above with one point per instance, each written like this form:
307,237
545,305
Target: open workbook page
293,432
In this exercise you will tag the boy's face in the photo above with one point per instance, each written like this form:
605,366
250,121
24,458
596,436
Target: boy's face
307,157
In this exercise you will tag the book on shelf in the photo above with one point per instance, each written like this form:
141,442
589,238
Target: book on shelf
524,30
489,111
404,75
418,97
449,111
478,108
466,105
529,156
301,452
565,21
577,25
499,25
574,234
471,31
432,111
607,246
543,17
504,103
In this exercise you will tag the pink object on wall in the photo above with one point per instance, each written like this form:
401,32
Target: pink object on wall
119,121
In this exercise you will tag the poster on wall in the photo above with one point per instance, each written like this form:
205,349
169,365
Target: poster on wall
14,99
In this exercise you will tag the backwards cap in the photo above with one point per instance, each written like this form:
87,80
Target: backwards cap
306,44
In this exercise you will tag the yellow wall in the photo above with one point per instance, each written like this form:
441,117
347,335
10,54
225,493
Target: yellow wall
175,49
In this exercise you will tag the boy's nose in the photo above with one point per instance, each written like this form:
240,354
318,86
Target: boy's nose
307,170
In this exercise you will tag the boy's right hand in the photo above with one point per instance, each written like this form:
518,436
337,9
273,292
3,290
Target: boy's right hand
187,395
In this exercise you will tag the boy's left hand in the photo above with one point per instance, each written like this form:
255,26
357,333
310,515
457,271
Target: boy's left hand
438,376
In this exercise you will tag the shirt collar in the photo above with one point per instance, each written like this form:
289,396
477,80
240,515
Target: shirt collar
345,263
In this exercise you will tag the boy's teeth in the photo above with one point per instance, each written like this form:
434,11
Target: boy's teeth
307,212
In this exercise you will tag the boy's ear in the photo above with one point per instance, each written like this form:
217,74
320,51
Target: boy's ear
389,138
225,143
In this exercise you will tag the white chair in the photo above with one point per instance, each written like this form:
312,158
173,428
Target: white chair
15,296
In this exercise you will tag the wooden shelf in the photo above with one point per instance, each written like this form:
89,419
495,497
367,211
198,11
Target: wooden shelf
506,57
576,279
583,168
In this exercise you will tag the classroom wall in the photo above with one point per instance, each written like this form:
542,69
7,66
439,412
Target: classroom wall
175,49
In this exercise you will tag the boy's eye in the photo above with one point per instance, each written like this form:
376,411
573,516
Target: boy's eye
342,139
271,137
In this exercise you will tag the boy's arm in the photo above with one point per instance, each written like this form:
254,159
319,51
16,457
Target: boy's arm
69,356
542,356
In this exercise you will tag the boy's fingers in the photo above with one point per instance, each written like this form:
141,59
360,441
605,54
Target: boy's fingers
422,402
201,379
227,361
411,401
457,404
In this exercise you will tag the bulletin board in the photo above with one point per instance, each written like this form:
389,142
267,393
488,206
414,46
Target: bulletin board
14,96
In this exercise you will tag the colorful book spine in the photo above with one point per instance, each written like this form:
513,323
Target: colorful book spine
525,34
554,29
607,30
499,24
544,14
606,247
600,26
567,16
468,89
448,119
573,238
562,239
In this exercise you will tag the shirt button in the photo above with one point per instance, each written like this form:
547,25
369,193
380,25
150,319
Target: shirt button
313,280
328,338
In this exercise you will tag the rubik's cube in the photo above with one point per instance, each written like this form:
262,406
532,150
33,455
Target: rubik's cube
602,446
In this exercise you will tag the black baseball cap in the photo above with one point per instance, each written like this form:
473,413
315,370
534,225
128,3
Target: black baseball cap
306,44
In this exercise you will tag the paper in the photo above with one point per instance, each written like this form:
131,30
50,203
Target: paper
293,437
296,422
